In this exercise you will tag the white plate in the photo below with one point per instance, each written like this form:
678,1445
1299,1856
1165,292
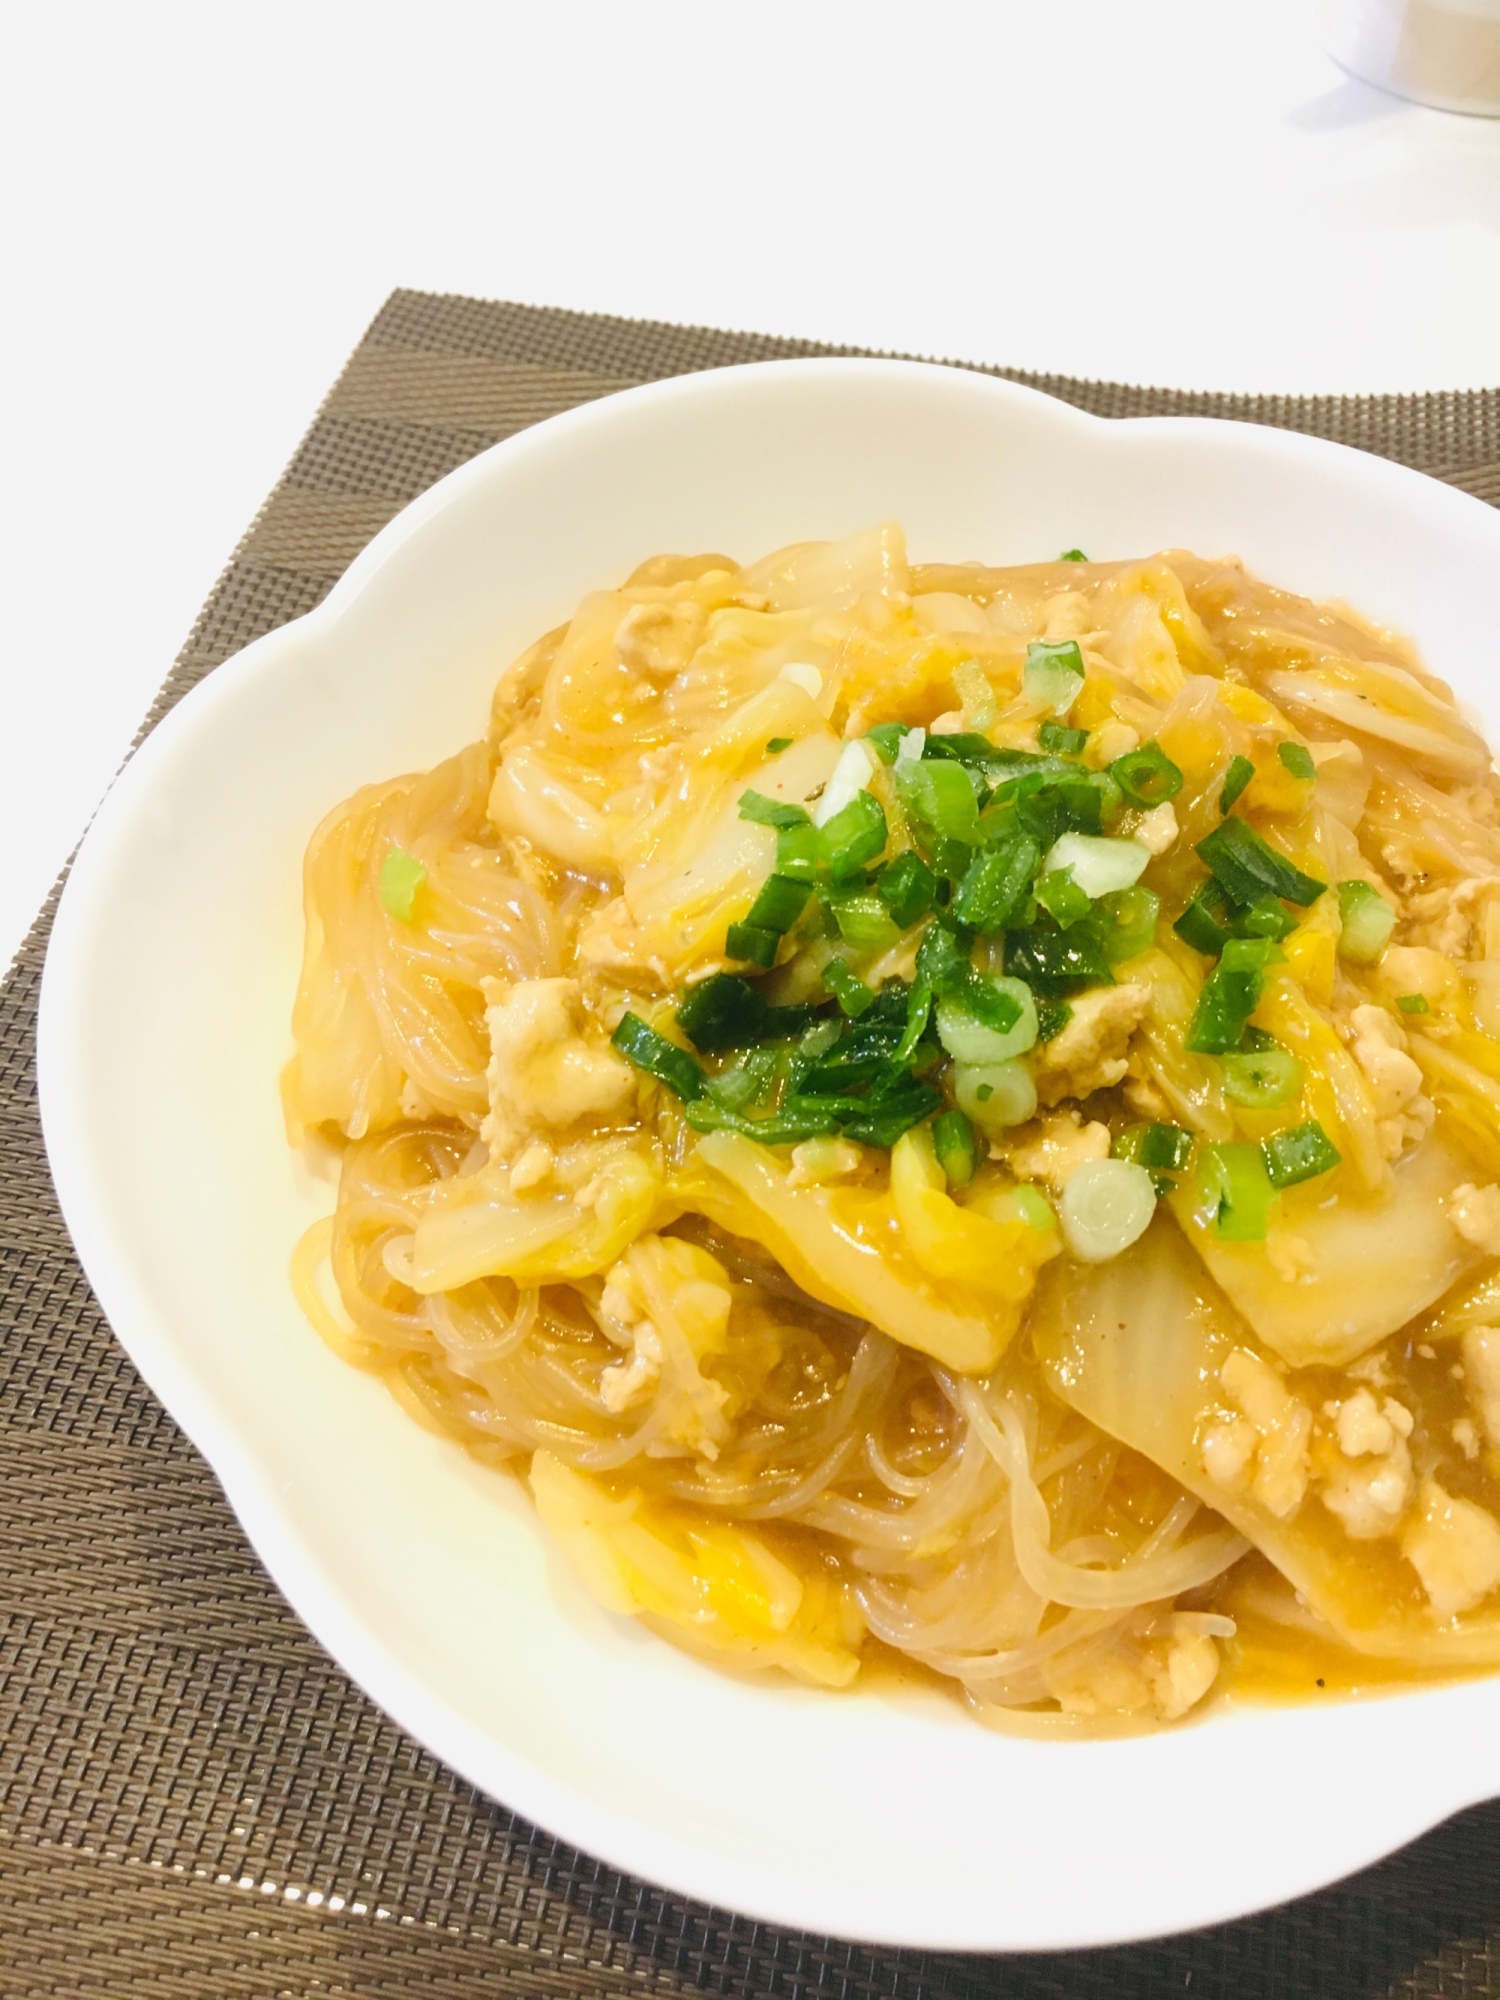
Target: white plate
164,1021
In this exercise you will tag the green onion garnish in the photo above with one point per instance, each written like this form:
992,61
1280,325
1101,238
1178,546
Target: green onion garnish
1053,675
752,945
401,876
745,1082
799,851
1147,776
1056,963
658,1057
1412,1003
1266,917
907,887
1052,1016
957,1148
994,885
1238,775
771,812
1164,1148
780,902
1229,997
851,992
1061,897
1058,737
777,744
855,836
886,737
1247,867
1125,923
1367,920
1205,923
1261,1079
940,794
1072,555
1233,1184
723,1012
787,1127
864,922
1298,761
1300,1155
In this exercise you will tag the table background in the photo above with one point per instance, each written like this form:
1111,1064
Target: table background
207,204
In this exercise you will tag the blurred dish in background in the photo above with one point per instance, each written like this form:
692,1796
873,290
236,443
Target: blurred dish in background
1440,52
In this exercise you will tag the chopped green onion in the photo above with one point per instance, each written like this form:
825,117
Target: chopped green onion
780,902
956,1147
975,1035
1298,761
1106,1206
851,992
918,1013
1165,1148
772,812
1125,923
864,922
1057,736
855,836
994,885
1412,1003
1248,867
1033,1205
1205,923
1232,1183
777,744
950,858
1266,917
1072,555
1300,1155
1053,675
745,1082
401,876
799,851
1061,897
1229,997
881,1118
1052,1016
995,1095
1261,1079
787,1127
942,962
658,1057
723,1012
1367,919
886,739
752,945
1099,863
1056,963
1238,775
907,887
939,793
1147,776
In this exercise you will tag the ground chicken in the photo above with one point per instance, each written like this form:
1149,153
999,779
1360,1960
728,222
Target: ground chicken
1157,829
1454,1547
1282,1424
1475,1214
1052,1149
1450,920
1090,1053
542,1071
1403,1115
1482,1377
1369,1486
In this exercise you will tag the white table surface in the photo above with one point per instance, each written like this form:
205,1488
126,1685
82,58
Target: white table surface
208,203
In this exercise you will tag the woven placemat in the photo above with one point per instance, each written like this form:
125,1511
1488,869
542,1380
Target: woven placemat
194,1800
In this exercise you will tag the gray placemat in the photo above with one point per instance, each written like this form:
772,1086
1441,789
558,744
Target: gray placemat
194,1800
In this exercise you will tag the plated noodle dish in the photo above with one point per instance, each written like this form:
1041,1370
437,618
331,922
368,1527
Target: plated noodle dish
946,1121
